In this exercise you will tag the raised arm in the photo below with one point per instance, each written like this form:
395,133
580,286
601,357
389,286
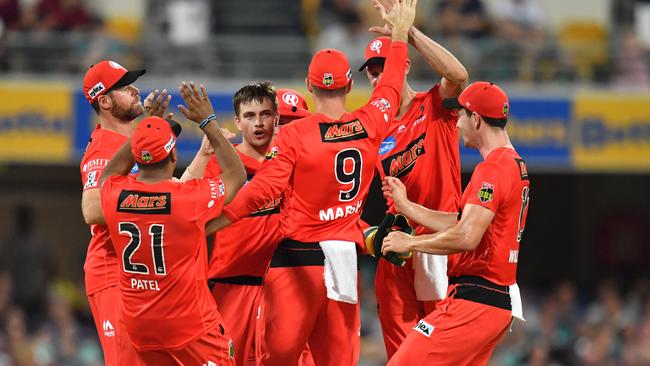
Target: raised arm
454,75
199,109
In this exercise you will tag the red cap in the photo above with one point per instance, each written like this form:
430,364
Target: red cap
376,51
292,104
482,97
329,69
105,75
152,140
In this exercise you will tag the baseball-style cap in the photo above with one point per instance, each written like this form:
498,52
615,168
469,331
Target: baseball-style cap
484,98
329,69
152,140
376,51
292,104
103,76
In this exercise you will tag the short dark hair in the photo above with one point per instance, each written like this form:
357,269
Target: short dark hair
330,92
493,122
156,165
257,91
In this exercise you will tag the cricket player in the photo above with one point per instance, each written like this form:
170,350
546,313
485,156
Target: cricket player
325,162
157,226
482,244
421,149
109,88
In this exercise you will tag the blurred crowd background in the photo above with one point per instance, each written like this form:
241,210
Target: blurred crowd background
576,71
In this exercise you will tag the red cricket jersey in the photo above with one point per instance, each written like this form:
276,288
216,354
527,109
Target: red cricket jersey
158,231
422,150
499,183
245,247
101,262
326,166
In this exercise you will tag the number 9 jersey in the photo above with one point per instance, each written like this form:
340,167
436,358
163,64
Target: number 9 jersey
328,165
158,231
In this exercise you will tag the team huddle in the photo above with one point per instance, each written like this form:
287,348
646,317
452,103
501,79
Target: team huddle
251,256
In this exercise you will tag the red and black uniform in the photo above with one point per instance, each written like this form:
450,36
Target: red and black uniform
239,260
100,268
465,327
158,231
326,167
421,149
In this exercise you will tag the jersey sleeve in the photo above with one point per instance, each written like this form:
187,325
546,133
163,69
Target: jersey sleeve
107,201
448,116
271,179
486,188
212,169
384,102
92,168
210,198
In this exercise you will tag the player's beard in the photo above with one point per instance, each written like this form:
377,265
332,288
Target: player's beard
127,114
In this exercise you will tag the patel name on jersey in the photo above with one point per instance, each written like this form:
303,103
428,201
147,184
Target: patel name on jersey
151,285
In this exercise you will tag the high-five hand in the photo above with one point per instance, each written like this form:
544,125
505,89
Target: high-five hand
399,17
199,106
156,103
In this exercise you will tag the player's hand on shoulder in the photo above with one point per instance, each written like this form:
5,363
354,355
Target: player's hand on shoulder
156,103
198,104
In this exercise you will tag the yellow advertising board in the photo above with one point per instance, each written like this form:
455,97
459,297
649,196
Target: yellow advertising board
612,131
36,122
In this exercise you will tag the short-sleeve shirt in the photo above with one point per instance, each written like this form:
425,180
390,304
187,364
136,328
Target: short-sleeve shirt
500,183
327,165
422,150
101,262
245,247
158,231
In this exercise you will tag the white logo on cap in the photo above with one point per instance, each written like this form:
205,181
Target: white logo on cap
376,46
169,145
290,98
348,75
95,90
115,65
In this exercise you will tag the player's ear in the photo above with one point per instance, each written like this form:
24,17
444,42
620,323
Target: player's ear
408,66
349,86
308,84
172,155
238,123
276,119
105,102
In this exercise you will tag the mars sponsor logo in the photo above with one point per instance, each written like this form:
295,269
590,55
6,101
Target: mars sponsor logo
148,203
269,208
424,328
486,193
342,131
401,163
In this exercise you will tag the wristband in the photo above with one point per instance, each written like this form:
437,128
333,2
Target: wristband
207,120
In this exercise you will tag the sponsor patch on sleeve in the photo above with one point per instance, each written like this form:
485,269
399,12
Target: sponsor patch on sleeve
272,153
425,328
91,180
486,193
523,171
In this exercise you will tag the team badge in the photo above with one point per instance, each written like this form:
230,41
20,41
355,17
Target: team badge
505,109
486,193
376,46
328,79
146,156
272,153
290,98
